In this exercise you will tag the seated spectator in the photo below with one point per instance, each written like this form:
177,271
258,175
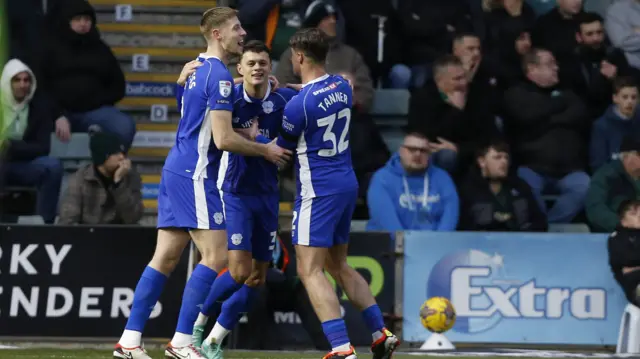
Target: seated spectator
556,30
549,136
624,250
28,123
621,119
440,112
105,192
505,20
341,57
83,75
623,27
613,183
409,193
509,56
491,200
594,66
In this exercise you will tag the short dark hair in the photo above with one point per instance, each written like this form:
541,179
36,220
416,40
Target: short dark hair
445,61
461,35
256,47
497,144
626,206
622,82
415,133
532,58
312,42
587,18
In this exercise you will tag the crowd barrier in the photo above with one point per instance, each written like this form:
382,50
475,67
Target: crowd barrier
506,287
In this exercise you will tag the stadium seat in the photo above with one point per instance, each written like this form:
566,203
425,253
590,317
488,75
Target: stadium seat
390,107
30,220
569,228
358,226
629,334
76,149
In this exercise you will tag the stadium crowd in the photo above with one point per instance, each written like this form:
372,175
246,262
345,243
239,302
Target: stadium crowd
516,120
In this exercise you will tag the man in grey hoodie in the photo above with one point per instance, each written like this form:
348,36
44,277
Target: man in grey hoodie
28,124
623,27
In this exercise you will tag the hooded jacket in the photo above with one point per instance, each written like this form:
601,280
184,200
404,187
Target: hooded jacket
400,201
82,72
35,112
607,134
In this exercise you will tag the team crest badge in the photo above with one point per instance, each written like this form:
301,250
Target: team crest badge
267,107
225,88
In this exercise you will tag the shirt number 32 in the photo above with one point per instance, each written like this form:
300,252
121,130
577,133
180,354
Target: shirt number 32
330,136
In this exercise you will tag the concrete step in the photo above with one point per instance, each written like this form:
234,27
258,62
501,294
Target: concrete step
129,28
192,4
157,67
154,40
108,16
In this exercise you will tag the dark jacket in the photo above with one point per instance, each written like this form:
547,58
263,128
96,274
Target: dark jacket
82,72
607,135
548,129
36,141
556,34
513,209
610,186
624,251
502,29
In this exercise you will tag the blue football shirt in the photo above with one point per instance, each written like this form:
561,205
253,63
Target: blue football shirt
316,125
246,174
194,153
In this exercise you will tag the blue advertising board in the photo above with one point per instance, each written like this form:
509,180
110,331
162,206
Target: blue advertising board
514,288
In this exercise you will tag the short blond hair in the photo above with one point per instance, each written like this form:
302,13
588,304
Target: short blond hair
214,18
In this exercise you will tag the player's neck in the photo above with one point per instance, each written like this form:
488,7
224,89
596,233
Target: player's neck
312,74
216,50
256,91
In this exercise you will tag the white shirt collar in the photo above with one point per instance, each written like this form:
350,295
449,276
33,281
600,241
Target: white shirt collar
266,95
206,57
321,78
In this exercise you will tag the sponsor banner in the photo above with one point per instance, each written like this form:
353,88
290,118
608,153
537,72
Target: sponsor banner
514,288
79,281
154,139
369,253
150,190
150,89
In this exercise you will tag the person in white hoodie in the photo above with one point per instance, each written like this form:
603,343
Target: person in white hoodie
27,125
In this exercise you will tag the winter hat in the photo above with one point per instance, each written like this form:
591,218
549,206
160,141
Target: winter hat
317,11
103,145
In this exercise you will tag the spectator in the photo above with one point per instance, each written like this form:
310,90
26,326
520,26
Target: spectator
410,194
105,192
428,28
620,119
624,250
83,75
612,184
556,30
505,21
341,57
491,200
549,134
28,123
623,28
595,65
440,112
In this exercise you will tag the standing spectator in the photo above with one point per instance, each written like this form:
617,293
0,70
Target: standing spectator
595,65
441,112
509,57
623,28
620,119
549,135
556,30
491,200
411,194
105,192
28,123
83,75
505,20
624,250
612,184
341,57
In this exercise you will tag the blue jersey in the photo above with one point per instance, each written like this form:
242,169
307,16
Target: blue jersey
246,174
194,154
316,125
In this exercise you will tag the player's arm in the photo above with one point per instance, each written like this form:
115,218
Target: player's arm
227,139
293,125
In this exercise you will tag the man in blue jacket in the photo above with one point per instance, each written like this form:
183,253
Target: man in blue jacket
410,194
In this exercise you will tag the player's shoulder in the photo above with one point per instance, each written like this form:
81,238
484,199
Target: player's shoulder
216,70
285,93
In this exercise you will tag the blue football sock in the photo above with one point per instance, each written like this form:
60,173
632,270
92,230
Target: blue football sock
145,297
223,287
336,332
236,306
195,292
373,318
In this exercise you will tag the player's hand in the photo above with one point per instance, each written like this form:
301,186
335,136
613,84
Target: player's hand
123,168
296,87
275,84
250,132
189,68
277,155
